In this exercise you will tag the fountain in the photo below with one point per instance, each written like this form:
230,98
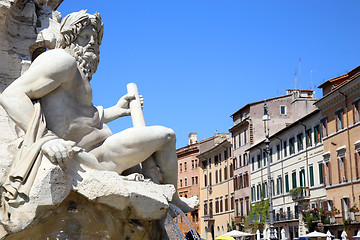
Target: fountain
64,175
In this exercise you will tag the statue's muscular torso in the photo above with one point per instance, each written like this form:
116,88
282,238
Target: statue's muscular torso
70,113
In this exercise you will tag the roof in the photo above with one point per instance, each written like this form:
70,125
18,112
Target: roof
287,127
342,77
254,103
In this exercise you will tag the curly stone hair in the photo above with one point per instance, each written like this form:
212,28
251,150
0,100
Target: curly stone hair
72,25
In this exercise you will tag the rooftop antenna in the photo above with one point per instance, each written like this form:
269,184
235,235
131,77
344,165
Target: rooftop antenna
295,79
299,73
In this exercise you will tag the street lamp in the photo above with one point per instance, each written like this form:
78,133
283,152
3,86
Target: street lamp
266,119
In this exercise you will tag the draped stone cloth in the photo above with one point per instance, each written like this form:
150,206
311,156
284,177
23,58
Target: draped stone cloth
23,171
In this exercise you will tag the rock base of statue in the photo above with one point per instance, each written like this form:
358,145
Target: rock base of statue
87,204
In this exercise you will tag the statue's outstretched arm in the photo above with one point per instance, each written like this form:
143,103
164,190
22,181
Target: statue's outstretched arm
121,109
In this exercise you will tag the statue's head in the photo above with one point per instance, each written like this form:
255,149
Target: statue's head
81,33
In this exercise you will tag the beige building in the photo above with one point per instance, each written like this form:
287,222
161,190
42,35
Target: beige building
296,164
188,180
248,129
341,135
216,186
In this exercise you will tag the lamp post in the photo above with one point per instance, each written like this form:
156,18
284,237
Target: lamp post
266,119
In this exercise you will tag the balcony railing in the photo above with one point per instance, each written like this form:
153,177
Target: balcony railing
285,216
300,193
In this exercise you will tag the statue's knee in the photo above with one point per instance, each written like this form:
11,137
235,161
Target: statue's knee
170,135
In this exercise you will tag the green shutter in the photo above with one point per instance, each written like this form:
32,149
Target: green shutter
294,180
287,183
321,177
311,169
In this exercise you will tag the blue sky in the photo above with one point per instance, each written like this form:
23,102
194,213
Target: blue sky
196,62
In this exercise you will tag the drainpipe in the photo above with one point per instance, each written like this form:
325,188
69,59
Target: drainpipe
348,138
282,169
261,170
307,159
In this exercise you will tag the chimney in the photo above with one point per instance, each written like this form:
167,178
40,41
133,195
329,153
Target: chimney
192,138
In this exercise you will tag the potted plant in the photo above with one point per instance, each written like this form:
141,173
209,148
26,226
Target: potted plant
354,209
336,211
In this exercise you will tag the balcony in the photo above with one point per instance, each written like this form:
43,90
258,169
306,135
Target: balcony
208,218
286,216
300,194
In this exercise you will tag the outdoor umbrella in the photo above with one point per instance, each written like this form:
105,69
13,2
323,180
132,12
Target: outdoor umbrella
225,237
343,235
328,235
283,234
236,233
357,235
314,234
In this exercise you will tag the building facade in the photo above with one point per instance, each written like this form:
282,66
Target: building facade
296,158
217,192
248,129
341,161
188,180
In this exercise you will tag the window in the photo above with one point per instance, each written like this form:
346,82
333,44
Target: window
324,127
225,173
285,148
309,138
209,162
321,173
180,167
185,168
239,139
339,119
210,179
192,164
180,182
264,157
278,151
258,192
287,183
204,163
357,165
196,180
294,185
220,175
300,144
273,187
302,177
317,136
216,160
253,194
342,169
193,180
226,203
232,202
231,171
226,154
185,182
216,205
240,162
205,208
220,158
259,160
270,154
292,145
245,158
279,185
253,163
216,176
235,181
356,111
235,162
311,171
205,180
282,110
221,205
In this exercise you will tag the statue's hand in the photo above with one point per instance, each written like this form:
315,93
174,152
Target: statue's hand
58,151
123,104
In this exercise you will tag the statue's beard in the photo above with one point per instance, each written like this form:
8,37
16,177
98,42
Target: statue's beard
88,61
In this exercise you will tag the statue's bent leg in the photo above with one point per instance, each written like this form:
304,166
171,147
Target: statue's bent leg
134,145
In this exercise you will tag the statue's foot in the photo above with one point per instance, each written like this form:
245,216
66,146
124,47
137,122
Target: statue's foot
187,204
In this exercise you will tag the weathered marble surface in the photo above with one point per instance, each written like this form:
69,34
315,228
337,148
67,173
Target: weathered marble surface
68,194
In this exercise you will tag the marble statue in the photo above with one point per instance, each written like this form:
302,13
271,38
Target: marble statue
52,103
